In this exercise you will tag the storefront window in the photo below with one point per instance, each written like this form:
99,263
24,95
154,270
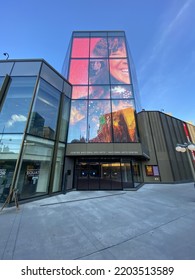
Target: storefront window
9,151
35,168
127,175
57,183
137,174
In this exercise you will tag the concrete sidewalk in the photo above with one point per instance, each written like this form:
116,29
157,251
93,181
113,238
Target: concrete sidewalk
155,222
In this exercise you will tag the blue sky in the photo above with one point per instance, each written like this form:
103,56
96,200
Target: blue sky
160,34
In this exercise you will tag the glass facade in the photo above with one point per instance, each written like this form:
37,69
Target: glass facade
1,81
56,135
43,120
10,145
34,117
100,74
16,104
108,173
35,167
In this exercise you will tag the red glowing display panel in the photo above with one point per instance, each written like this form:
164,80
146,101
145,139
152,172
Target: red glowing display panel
80,48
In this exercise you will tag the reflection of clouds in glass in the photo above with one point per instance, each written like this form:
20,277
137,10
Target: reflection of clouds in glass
16,118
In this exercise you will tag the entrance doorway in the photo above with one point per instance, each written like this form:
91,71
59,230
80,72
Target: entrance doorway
103,174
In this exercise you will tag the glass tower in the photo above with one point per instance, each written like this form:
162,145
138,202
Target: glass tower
103,98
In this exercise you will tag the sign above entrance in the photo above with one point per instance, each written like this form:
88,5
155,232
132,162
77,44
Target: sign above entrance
117,149
104,153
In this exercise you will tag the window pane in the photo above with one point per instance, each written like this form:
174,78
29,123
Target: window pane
126,175
52,77
116,33
99,121
121,91
9,151
26,68
98,71
79,92
67,89
36,167
98,47
123,119
5,68
64,119
98,34
7,168
137,174
119,71
78,122
13,115
80,47
1,81
80,34
10,146
99,92
45,111
59,168
78,72
117,47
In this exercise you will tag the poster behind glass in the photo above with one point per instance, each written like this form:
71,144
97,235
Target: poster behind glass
102,75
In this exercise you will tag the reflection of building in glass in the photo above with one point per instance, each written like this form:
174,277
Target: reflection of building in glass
33,124
37,124
48,132
87,135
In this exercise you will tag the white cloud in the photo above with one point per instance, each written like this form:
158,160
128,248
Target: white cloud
16,118
172,25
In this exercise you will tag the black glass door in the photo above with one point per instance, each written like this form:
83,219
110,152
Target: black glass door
94,176
102,174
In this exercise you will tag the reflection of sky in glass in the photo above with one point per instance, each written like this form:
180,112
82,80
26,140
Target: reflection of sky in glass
1,81
10,143
16,106
45,109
